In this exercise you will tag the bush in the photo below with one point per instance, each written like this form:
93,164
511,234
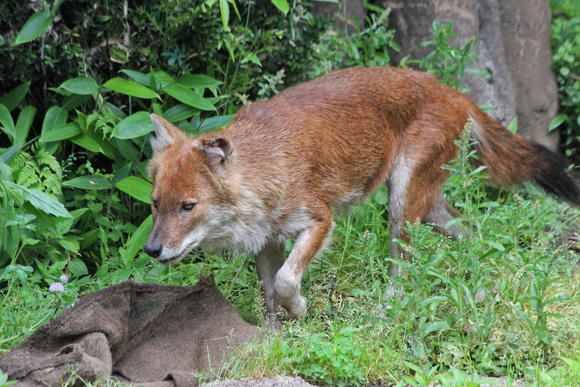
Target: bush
100,38
566,48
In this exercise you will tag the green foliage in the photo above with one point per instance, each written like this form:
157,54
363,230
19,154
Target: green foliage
368,46
99,39
74,197
4,382
332,357
566,63
38,169
447,62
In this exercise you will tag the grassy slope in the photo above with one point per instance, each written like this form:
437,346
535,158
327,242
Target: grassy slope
506,302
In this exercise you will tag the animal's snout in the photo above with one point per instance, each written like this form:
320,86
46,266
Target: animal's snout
153,249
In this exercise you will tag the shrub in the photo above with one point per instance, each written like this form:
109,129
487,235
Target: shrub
566,48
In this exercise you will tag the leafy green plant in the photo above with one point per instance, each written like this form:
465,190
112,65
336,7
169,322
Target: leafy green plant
566,48
332,357
368,46
447,62
4,382
37,24
26,212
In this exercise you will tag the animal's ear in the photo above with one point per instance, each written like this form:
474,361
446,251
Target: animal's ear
165,133
217,151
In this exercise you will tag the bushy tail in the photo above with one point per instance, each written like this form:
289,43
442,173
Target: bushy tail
511,159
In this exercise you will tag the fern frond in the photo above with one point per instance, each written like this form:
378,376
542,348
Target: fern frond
28,176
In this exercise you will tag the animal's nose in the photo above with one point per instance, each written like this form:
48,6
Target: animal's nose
153,249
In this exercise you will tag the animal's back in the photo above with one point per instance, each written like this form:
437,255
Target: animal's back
337,136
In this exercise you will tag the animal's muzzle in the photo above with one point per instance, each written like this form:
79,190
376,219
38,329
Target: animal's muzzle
153,249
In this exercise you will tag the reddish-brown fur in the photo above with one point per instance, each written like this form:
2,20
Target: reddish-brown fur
284,167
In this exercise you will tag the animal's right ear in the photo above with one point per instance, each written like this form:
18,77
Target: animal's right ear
165,133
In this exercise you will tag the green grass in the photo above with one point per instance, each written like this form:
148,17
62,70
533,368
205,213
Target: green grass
503,303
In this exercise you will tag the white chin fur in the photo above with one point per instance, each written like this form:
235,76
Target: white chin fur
169,256
169,261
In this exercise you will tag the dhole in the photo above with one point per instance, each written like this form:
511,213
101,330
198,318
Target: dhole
285,167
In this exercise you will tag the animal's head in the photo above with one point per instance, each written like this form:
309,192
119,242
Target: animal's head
187,193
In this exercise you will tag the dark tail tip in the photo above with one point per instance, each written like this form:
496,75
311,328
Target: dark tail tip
549,173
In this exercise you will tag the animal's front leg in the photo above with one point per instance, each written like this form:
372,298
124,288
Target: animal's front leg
268,262
287,281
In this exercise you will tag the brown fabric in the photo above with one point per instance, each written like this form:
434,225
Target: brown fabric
143,333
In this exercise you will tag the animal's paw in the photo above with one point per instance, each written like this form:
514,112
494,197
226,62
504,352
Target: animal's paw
293,309
287,298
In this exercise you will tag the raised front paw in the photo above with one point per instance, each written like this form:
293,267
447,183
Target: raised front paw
287,298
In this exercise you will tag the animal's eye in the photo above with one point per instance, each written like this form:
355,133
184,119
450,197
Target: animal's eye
155,203
187,206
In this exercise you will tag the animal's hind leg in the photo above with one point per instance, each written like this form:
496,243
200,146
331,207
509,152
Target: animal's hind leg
398,185
415,193
268,263
442,213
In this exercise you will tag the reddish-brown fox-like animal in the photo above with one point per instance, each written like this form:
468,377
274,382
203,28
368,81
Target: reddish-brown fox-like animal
285,167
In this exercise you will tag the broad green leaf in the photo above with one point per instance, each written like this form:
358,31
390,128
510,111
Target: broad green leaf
282,5
42,219
88,182
137,188
495,245
24,123
122,173
34,27
40,200
120,275
513,126
127,150
163,78
7,123
63,226
8,155
157,109
70,244
214,123
225,13
180,112
72,101
131,88
13,98
557,121
81,86
188,97
137,239
104,144
133,126
139,77
194,81
89,238
61,133
436,326
55,117
114,109
86,142
77,267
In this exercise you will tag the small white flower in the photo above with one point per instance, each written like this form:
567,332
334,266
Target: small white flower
56,287
64,278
